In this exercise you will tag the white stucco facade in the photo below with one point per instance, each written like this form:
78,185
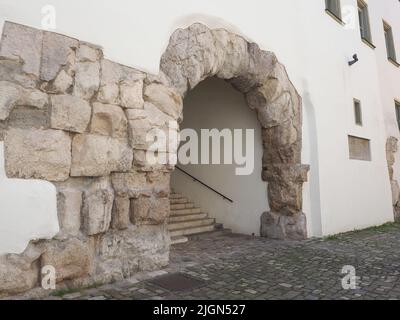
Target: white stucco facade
341,194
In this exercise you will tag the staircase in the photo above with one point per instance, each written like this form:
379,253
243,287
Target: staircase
187,220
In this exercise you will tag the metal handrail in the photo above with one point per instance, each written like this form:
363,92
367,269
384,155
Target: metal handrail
204,184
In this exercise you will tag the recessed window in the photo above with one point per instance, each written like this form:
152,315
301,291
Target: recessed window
397,106
358,112
359,149
333,7
390,48
363,17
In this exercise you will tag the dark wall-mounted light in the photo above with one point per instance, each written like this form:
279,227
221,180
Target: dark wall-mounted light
355,60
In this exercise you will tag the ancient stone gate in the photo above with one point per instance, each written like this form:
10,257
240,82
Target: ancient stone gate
71,117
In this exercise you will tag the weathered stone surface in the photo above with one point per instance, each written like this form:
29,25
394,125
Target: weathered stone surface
69,205
277,112
278,226
19,273
61,84
109,120
164,99
23,42
12,95
123,253
120,214
131,95
149,210
70,113
87,79
11,69
70,258
58,52
130,184
95,156
88,53
37,154
285,187
111,74
98,204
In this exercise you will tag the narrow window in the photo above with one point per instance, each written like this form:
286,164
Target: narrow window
397,106
391,51
333,7
363,16
358,112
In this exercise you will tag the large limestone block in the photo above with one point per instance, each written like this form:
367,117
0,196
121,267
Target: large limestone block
96,156
69,205
58,52
88,52
164,99
109,120
281,227
70,258
130,184
123,253
23,42
12,95
111,74
149,210
11,70
37,154
98,205
70,113
19,273
87,79
120,214
131,94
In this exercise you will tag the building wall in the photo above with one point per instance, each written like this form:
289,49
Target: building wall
342,194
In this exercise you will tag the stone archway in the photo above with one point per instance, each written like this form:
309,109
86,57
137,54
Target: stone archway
197,53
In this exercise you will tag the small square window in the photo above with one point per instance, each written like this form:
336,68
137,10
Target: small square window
334,8
397,106
358,112
390,48
363,16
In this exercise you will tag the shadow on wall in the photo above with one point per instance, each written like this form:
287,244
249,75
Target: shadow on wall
312,141
28,211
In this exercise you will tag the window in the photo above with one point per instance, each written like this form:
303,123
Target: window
397,106
363,17
391,51
333,7
359,149
358,112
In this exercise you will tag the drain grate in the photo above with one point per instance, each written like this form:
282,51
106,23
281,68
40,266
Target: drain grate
177,282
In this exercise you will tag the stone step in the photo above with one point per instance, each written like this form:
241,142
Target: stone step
187,217
180,206
178,201
191,224
180,212
179,239
191,231
175,196
214,233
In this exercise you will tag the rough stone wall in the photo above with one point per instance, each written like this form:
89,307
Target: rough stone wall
391,150
71,117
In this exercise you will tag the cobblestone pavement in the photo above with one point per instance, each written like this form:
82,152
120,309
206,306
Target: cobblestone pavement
241,267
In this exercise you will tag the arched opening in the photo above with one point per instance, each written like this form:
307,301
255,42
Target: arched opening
197,53
215,105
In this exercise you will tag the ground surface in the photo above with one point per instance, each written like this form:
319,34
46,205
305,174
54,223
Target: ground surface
240,267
